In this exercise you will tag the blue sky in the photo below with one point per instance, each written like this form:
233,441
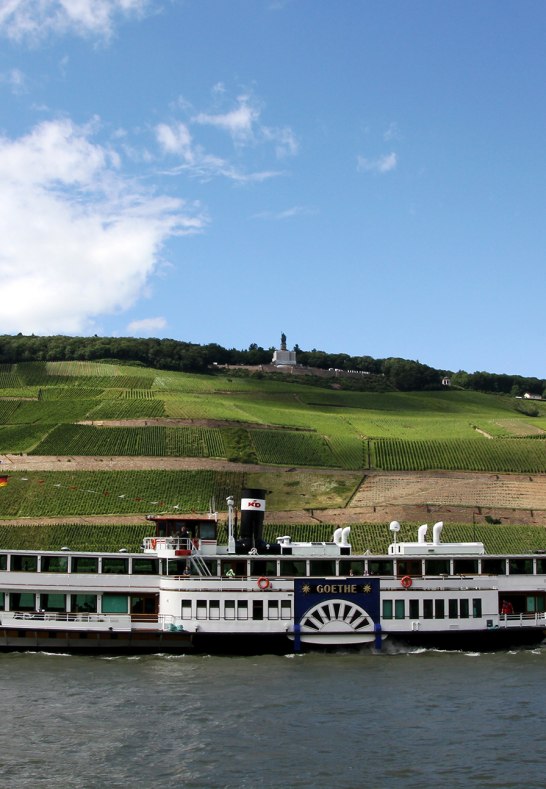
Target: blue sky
367,177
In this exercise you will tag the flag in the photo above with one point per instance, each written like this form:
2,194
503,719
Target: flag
3,481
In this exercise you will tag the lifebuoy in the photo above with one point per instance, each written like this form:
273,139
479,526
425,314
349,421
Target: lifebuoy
153,543
263,583
406,582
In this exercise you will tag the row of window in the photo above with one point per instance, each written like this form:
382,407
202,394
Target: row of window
112,565
106,603
283,567
236,609
457,608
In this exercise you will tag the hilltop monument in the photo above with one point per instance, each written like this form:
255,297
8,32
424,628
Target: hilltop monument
282,357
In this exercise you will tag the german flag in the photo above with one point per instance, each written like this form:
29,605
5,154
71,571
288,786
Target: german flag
3,480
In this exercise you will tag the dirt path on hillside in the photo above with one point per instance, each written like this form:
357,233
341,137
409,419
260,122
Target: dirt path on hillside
382,496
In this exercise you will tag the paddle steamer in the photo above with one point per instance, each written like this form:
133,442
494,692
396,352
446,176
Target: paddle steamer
184,592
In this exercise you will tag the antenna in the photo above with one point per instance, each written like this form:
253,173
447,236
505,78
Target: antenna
231,539
395,528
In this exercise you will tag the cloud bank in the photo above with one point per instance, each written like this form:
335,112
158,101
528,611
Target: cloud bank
79,239
22,20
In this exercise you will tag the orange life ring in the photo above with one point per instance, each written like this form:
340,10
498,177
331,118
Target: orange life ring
406,582
153,543
263,583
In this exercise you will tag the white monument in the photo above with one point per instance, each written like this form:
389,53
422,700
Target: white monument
282,357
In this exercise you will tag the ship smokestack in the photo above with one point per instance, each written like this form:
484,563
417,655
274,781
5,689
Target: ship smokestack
252,515
436,532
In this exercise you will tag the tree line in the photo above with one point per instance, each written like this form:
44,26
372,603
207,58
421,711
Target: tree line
168,354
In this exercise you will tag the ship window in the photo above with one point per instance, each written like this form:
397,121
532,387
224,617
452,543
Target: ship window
428,609
413,567
212,565
233,568
453,609
53,602
286,609
321,567
347,567
207,531
541,566
439,609
414,609
3,561
178,567
25,564
242,609
84,603
399,609
520,566
273,609
387,609
477,607
263,567
493,566
293,568
464,608
258,610
113,565
113,603
145,567
54,564
201,612
2,601
437,566
229,609
214,609
380,567
534,603
465,566
22,601
186,609
85,564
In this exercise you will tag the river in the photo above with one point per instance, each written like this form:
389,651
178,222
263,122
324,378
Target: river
408,719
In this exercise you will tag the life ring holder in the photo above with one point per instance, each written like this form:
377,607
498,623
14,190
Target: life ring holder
406,582
263,583
153,543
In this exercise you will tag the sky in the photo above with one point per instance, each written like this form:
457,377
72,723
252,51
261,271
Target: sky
365,177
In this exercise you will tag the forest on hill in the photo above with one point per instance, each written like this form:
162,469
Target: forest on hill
166,354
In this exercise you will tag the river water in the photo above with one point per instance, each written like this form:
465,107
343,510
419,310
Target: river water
407,719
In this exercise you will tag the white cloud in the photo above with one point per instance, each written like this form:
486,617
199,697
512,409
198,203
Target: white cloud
287,213
383,164
79,239
146,325
238,122
16,80
242,125
35,19
176,140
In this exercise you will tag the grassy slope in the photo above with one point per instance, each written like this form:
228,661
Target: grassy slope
40,404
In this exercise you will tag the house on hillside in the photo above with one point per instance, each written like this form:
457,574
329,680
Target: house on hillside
531,396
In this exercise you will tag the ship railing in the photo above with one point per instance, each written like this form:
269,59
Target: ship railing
80,618
169,543
172,624
523,619
55,616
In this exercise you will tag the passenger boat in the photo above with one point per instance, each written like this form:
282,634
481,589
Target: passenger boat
184,592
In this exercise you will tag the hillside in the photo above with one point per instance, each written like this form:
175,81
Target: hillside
82,439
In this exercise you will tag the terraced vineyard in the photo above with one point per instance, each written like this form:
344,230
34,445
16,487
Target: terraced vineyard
364,537
109,411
